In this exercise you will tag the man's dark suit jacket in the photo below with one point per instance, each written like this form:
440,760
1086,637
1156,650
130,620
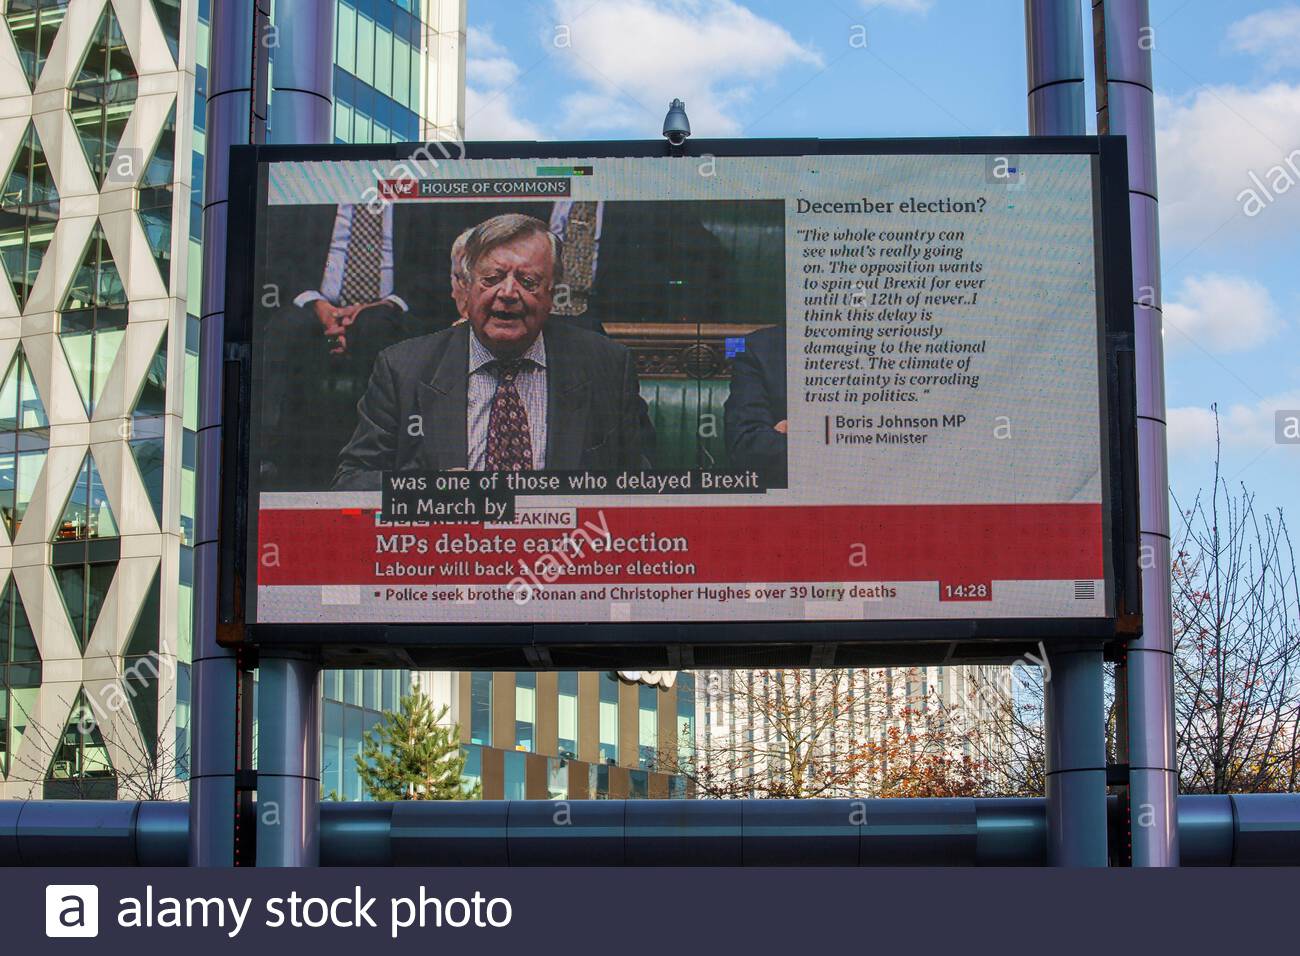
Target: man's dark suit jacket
756,403
595,416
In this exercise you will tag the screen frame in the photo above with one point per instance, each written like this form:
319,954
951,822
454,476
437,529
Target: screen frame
678,644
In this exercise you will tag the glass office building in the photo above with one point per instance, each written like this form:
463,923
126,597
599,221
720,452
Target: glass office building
101,190
589,735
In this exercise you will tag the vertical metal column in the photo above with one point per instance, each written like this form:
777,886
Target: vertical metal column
288,701
288,762
234,115
1075,708
302,76
1054,58
1076,758
1125,106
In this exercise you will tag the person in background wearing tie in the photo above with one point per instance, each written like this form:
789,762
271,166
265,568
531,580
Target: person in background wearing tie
349,296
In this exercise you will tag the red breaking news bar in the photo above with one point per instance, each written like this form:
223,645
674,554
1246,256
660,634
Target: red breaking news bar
724,544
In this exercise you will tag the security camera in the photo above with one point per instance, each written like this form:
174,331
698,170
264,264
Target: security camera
676,126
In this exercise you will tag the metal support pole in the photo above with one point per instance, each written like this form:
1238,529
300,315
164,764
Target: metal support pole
1054,59
288,762
288,700
233,116
1125,106
302,96
1076,759
1076,741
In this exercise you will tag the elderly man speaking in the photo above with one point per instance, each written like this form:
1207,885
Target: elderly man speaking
506,391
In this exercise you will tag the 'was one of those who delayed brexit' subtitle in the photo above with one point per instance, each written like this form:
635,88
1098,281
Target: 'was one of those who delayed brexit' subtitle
294,911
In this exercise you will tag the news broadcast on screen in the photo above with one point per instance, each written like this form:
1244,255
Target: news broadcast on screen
653,390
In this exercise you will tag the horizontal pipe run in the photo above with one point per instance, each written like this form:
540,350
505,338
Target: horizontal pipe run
1243,830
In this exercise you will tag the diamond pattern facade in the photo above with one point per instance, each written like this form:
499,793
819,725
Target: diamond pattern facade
96,103
101,156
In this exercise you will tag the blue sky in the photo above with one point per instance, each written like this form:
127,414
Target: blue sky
1228,89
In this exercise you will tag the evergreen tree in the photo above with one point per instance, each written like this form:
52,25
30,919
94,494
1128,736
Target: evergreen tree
411,755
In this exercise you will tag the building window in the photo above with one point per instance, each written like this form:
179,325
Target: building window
190,424
102,95
354,701
557,778
345,37
169,16
24,441
87,514
352,730
85,551
183,698
685,716
525,710
331,755
155,198
377,72
29,209
141,672
608,718
370,696
638,785
21,675
568,714
471,777
97,284
84,585
647,726
480,708
148,426
91,339
516,767
34,24
394,689
80,768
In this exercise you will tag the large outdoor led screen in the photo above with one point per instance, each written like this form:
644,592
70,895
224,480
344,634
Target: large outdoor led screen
856,383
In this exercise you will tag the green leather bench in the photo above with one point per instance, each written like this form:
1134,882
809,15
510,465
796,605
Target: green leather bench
688,416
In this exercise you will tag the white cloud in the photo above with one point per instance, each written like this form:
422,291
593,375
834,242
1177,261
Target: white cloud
904,6
1209,143
1273,35
1242,426
490,75
490,114
481,42
1221,313
636,55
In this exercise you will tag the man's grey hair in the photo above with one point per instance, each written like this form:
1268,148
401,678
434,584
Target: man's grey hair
499,230
458,270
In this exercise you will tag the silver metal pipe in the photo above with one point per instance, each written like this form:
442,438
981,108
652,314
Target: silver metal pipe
1076,745
1054,65
1076,759
288,762
302,82
233,113
1239,830
1125,106
288,745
